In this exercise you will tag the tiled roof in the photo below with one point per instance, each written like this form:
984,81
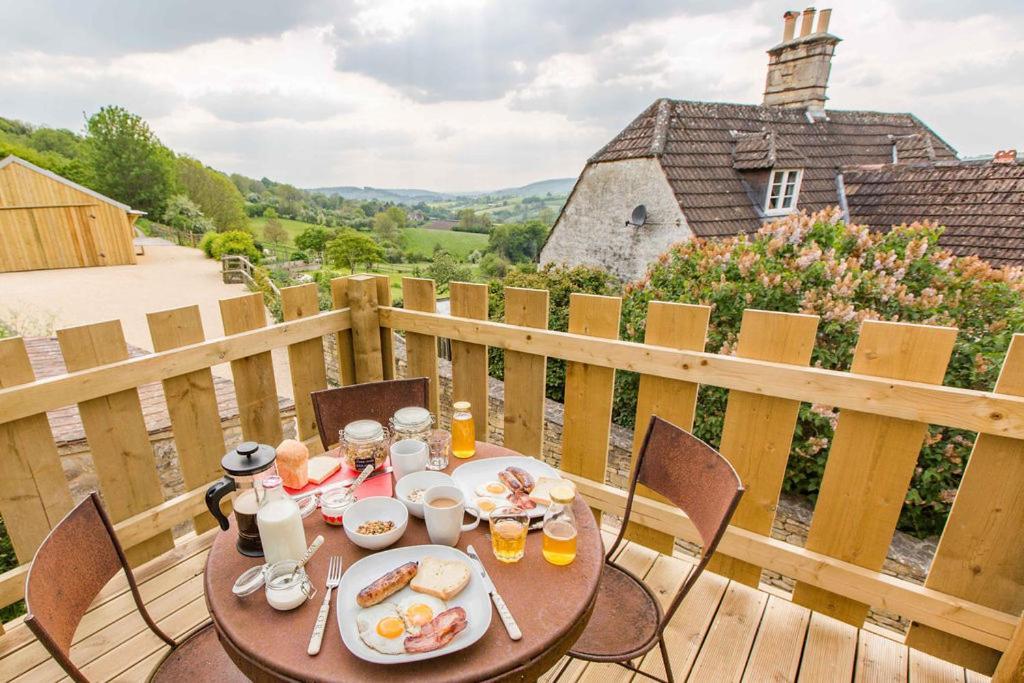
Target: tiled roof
700,143
47,361
980,203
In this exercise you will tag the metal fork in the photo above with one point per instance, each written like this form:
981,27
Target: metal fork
333,580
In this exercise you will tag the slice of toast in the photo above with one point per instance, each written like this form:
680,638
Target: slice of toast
444,579
541,493
321,467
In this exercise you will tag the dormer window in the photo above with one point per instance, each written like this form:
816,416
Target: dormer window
783,191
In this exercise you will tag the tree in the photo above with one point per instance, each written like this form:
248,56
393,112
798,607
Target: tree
183,214
273,231
471,221
518,243
314,239
126,160
235,242
351,248
214,192
388,225
444,269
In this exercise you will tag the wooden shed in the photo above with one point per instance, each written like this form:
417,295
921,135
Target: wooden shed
47,221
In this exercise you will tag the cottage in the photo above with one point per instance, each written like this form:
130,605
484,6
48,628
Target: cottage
47,221
708,169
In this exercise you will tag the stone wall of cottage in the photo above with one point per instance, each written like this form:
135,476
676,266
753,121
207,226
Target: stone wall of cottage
909,557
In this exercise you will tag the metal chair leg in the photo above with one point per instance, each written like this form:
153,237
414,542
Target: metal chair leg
664,658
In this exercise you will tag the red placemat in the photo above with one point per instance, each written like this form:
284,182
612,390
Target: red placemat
382,485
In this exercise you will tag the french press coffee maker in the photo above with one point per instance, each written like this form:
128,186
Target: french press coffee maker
242,465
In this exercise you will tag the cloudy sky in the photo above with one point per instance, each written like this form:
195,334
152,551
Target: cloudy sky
477,94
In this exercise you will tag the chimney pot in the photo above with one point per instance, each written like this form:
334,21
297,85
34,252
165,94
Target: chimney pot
823,18
789,25
1005,156
807,23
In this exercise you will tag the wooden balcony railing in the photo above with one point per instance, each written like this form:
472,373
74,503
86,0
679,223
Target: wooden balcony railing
968,611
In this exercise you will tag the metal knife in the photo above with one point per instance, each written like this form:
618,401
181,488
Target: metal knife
506,617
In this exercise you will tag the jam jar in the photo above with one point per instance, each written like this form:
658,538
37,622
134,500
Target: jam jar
363,442
412,422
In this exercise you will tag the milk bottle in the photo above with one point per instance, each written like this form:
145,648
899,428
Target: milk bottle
280,524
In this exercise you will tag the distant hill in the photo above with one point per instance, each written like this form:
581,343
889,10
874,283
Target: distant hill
556,186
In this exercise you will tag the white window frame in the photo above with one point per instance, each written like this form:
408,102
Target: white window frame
787,177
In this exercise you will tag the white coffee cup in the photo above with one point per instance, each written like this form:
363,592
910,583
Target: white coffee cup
408,456
444,521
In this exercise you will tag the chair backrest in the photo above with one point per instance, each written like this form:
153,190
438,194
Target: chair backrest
378,401
695,478
72,565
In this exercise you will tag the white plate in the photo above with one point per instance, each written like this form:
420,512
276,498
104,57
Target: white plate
472,474
473,598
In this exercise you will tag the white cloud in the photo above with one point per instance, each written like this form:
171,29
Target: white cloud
471,94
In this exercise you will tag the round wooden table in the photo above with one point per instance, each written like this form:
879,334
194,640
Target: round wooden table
551,604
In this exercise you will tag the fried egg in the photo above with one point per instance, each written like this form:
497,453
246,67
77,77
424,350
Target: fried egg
491,489
419,610
382,629
485,504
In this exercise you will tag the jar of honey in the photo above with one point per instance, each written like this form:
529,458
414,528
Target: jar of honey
463,431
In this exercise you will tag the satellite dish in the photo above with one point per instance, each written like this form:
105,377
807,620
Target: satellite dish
638,217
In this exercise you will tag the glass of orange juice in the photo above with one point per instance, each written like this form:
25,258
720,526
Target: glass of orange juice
509,526
463,431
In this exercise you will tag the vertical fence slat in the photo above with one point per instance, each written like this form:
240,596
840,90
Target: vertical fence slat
191,403
346,357
117,434
524,395
419,294
679,326
362,296
387,335
758,431
305,359
255,386
469,361
871,460
979,557
589,391
34,493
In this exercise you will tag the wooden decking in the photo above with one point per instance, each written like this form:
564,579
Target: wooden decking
723,632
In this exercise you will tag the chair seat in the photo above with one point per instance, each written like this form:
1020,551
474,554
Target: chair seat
200,657
625,620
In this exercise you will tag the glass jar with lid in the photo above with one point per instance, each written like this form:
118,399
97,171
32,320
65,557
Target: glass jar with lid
559,544
363,442
412,422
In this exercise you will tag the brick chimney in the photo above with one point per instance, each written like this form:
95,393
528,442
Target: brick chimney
1005,156
798,67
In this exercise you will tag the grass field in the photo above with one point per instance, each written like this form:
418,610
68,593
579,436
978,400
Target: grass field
419,240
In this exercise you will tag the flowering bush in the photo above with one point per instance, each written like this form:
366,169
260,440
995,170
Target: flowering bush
845,274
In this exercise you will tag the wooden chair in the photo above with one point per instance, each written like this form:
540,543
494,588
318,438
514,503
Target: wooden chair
378,401
75,561
628,621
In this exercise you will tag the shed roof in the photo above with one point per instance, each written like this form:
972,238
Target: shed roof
981,203
11,159
707,150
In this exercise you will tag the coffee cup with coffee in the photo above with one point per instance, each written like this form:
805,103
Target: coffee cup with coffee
443,510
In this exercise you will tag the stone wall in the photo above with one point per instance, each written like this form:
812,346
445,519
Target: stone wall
909,558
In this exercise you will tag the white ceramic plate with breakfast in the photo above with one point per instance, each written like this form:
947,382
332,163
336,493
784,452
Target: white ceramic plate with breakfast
510,480
390,612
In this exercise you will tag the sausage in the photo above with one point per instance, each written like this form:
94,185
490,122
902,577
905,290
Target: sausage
524,477
509,480
388,584
439,632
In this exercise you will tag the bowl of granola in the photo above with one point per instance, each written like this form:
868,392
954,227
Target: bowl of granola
376,522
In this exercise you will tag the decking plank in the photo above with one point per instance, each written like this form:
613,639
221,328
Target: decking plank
924,668
880,660
829,651
779,644
723,656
